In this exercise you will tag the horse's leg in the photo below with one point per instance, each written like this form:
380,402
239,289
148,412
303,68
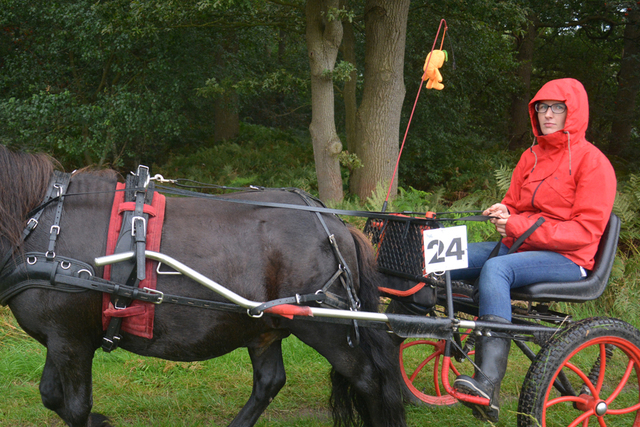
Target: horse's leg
65,386
51,386
268,378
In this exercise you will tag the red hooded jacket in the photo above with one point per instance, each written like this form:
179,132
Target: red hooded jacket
565,179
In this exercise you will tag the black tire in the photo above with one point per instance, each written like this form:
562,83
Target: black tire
612,396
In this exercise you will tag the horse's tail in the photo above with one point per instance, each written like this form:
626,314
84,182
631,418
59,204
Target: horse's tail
379,347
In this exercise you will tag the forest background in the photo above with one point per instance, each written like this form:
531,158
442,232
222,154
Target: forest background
318,94
315,94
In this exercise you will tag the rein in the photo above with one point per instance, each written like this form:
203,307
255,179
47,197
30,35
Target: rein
366,214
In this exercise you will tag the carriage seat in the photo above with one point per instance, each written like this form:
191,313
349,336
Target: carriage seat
587,289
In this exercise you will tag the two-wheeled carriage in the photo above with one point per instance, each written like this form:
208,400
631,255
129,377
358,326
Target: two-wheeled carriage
585,370
247,270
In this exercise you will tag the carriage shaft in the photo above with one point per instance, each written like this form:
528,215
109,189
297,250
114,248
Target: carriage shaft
403,325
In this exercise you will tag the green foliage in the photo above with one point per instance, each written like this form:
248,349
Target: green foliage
350,161
123,82
278,81
344,14
259,156
341,72
627,207
503,178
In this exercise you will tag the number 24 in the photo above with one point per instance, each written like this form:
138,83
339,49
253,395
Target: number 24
454,249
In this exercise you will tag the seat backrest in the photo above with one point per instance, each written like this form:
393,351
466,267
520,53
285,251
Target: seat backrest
583,290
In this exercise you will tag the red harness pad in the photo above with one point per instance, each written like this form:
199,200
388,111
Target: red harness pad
138,317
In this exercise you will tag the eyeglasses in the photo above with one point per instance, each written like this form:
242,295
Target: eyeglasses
558,108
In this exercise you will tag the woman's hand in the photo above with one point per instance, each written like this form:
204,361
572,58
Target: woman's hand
501,224
500,215
496,210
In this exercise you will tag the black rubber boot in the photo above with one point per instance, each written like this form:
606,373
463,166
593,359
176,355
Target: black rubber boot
492,354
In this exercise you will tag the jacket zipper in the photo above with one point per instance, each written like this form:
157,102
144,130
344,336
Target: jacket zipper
534,193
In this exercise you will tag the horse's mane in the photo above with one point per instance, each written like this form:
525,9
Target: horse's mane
24,179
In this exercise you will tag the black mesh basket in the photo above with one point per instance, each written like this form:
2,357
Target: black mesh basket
400,244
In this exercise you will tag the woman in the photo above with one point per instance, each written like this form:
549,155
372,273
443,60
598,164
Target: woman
568,182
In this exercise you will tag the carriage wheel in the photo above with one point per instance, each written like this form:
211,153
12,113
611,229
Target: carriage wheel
588,374
421,363
423,375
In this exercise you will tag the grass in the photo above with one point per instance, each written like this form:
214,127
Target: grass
140,391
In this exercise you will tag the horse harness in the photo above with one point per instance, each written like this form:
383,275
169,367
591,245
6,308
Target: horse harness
48,270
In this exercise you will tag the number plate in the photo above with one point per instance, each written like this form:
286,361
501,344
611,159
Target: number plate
445,249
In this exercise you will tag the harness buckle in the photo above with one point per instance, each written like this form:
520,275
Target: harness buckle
32,224
109,345
143,171
133,225
59,188
157,293
56,228
255,316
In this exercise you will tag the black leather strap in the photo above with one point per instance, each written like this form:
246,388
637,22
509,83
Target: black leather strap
35,214
35,271
133,235
60,187
525,235
320,209
139,226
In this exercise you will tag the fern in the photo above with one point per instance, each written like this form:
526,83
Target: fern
633,187
503,177
377,198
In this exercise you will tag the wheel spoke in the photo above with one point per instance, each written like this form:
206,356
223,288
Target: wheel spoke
435,355
583,377
623,382
563,399
436,376
603,366
584,417
628,410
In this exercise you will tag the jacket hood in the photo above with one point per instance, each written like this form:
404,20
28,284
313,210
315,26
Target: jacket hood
573,94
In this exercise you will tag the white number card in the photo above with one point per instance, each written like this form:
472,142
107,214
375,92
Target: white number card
445,249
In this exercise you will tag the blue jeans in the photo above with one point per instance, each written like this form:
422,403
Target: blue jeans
504,272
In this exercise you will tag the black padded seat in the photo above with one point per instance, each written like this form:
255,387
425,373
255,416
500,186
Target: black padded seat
587,289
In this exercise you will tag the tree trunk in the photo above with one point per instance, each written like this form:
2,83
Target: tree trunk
227,118
378,118
349,90
226,108
520,124
324,36
628,86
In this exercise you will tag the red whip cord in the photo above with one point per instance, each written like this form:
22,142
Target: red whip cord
395,170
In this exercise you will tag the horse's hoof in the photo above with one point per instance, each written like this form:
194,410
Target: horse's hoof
99,420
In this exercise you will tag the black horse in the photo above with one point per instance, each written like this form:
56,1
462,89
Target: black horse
260,253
